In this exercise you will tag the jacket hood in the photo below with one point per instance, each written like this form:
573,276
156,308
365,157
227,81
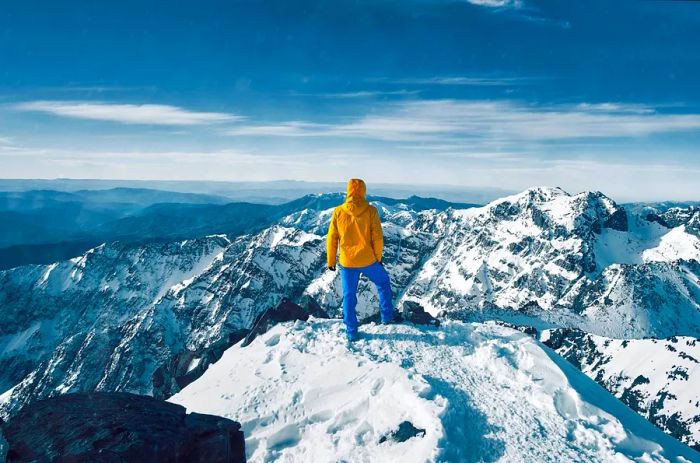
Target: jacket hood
355,201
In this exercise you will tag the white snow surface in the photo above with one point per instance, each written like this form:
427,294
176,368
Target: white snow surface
481,392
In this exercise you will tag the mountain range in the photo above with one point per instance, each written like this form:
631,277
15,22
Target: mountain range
44,226
598,282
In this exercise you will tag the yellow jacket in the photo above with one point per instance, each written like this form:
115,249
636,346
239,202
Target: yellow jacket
355,224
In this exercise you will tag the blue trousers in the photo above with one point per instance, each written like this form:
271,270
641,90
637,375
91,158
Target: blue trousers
350,277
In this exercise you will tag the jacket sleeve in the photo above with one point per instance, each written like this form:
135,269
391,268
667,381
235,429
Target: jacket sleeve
377,235
332,241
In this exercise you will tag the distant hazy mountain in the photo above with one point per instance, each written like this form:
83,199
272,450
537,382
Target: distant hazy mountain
44,226
273,192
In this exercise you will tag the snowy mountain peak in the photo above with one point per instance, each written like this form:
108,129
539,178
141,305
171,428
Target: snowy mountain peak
469,392
554,208
537,194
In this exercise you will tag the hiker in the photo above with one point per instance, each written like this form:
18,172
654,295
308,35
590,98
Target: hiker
355,224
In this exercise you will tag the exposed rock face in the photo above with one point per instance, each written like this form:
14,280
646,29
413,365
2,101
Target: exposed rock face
119,427
405,431
414,313
673,217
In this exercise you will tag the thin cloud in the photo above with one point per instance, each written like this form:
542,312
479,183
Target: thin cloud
474,81
151,114
361,94
96,88
462,122
284,129
497,3
511,120
518,9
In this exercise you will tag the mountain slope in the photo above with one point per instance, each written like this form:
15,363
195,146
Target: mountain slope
140,318
480,393
568,260
656,377
63,323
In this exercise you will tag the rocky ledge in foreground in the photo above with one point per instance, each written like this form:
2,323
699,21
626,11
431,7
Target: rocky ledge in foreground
119,427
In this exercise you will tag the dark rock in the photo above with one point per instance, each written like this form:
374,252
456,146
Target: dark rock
285,311
414,313
3,445
617,220
653,217
405,431
313,308
527,329
119,427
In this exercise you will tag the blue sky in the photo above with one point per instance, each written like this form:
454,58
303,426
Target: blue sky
507,93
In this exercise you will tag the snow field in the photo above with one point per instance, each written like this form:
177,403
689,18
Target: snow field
482,393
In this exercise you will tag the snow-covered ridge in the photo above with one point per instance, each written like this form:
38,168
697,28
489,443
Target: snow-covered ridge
480,392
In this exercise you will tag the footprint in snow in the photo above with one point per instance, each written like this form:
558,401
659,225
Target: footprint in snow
376,386
288,436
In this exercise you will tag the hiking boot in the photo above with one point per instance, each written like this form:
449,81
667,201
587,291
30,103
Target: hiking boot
397,318
352,337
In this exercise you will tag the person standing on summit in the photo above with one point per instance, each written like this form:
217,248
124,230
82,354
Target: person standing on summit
356,226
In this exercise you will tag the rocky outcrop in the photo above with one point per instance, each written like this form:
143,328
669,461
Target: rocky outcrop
285,311
119,427
415,313
674,217
405,431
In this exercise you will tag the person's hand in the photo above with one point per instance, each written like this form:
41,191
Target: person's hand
331,268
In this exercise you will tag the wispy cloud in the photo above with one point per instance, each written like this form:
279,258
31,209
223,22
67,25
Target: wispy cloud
475,81
152,114
362,94
505,121
520,10
497,3
508,119
96,88
283,129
